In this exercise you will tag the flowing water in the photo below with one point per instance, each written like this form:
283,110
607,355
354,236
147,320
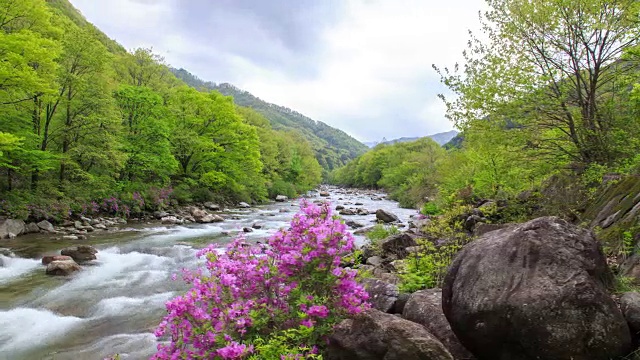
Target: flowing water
114,304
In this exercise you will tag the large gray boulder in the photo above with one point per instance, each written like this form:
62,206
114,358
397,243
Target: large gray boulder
536,290
425,308
11,226
374,335
386,216
31,228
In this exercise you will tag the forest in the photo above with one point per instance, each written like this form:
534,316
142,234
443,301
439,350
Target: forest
546,95
83,121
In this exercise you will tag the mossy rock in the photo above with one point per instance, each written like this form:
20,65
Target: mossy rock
615,210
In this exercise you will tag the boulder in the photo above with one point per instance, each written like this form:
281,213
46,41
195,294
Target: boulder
209,218
425,308
630,306
324,193
347,212
361,211
382,295
160,214
281,198
386,216
352,224
62,267
256,226
11,226
374,335
364,230
374,261
70,237
198,214
247,229
211,206
46,260
80,253
339,207
483,228
401,302
31,228
244,205
536,290
7,252
100,226
78,225
171,220
397,245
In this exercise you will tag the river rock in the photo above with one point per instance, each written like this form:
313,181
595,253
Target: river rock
324,193
375,335
382,295
386,216
7,252
209,218
247,229
160,214
361,211
78,225
397,245
80,253
31,228
212,206
354,225
100,226
171,220
11,226
374,261
339,207
70,237
197,214
364,230
281,198
536,290
244,205
347,212
46,260
62,267
425,308
630,306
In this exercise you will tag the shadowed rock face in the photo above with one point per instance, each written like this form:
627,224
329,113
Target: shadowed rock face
374,335
425,308
535,291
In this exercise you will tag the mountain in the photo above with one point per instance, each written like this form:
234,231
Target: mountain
440,138
333,147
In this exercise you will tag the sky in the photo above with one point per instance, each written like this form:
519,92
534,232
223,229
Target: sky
363,66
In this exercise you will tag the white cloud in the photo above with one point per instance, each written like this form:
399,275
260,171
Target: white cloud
371,77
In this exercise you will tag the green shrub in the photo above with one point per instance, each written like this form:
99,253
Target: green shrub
430,208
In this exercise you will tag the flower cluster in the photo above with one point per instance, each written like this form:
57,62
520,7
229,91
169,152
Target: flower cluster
247,293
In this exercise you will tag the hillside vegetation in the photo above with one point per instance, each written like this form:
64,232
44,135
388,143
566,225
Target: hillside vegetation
88,126
551,97
333,147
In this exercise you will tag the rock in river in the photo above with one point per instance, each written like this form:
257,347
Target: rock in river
80,253
62,267
386,216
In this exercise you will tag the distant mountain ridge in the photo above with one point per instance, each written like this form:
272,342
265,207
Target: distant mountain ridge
333,147
440,138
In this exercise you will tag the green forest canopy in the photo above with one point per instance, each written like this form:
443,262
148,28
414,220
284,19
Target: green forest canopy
83,120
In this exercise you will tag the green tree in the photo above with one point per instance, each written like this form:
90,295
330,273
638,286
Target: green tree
553,66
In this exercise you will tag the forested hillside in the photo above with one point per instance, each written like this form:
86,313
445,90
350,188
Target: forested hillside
88,126
333,147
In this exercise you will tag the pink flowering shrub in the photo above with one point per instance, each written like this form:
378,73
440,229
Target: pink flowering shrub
248,295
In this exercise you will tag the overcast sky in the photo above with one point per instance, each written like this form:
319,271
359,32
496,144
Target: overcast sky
363,66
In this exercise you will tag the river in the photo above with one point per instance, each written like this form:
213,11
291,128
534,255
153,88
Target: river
114,304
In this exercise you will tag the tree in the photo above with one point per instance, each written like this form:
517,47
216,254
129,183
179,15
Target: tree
553,66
